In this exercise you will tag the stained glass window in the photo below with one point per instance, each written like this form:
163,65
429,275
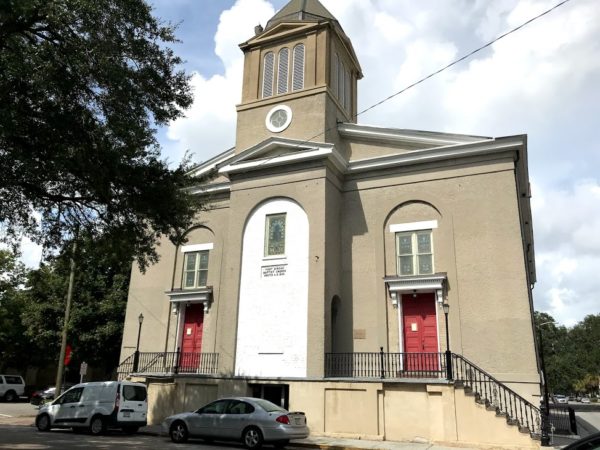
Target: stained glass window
275,234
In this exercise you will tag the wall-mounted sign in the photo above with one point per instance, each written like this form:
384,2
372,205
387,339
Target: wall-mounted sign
274,271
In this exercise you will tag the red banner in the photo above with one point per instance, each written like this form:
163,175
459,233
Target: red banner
68,352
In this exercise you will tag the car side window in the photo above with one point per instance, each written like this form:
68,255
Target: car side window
71,396
13,380
239,407
218,407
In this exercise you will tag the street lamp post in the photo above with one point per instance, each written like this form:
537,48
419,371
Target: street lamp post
545,409
136,356
449,374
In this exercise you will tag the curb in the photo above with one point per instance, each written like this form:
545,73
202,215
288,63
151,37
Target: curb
290,446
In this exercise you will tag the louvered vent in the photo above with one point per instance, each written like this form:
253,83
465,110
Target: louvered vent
282,72
268,75
298,74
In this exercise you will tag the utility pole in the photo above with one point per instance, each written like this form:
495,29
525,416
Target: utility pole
63,345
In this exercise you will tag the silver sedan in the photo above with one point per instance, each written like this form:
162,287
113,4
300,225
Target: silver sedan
253,421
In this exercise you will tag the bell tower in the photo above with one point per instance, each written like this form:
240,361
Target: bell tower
300,77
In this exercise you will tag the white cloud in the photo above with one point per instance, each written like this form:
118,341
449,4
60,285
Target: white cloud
209,125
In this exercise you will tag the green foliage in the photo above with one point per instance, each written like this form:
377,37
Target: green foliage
12,276
99,300
83,86
572,355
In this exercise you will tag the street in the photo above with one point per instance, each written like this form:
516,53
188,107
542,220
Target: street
27,437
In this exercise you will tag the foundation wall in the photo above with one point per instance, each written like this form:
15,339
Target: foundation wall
434,412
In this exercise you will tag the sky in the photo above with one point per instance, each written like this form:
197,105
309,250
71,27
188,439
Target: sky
543,81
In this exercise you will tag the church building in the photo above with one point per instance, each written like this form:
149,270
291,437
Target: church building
378,279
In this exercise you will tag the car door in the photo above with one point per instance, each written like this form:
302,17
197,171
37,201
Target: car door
207,420
237,418
133,403
65,407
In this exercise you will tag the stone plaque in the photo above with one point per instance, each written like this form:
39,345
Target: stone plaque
359,333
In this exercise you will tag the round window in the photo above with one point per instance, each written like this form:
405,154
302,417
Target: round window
278,118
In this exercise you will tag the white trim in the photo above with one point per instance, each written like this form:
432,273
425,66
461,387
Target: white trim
196,247
401,135
212,163
437,154
413,226
280,128
311,153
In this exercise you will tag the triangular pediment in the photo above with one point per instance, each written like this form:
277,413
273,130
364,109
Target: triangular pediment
279,31
280,151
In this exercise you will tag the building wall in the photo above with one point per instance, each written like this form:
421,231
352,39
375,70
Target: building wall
273,305
477,244
434,412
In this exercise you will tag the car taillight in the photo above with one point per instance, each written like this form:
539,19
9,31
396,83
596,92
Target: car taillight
117,401
283,419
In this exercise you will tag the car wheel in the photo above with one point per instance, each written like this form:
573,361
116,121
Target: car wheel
10,396
97,425
43,422
252,438
178,432
281,444
130,429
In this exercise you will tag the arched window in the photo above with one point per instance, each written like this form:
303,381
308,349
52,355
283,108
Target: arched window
282,71
268,72
298,68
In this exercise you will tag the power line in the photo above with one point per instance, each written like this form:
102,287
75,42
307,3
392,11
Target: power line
462,58
447,66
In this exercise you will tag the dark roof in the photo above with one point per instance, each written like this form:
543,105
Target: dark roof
297,10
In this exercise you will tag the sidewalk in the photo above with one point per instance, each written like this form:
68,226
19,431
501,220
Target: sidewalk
327,443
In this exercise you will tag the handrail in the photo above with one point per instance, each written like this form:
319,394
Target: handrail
517,409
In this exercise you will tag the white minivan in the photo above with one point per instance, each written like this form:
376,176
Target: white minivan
96,406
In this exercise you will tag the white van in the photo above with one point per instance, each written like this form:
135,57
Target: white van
96,406
11,387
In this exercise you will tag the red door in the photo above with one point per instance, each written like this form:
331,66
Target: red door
191,344
420,334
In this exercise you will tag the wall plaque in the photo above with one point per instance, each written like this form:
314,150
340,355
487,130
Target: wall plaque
274,271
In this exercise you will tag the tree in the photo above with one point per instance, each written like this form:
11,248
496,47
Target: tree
13,343
572,355
83,85
99,301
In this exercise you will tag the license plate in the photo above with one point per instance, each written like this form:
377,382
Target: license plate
127,414
298,421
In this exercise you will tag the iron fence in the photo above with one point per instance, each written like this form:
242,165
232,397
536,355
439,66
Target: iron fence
385,365
169,363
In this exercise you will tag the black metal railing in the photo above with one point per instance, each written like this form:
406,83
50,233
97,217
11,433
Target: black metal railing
169,363
385,365
491,392
562,419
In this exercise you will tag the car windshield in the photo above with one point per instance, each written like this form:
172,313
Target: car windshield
268,406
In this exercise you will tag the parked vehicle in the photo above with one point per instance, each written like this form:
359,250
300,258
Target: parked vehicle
96,406
253,421
590,442
48,394
11,387
560,399
585,400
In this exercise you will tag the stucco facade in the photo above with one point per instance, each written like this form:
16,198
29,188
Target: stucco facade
342,207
